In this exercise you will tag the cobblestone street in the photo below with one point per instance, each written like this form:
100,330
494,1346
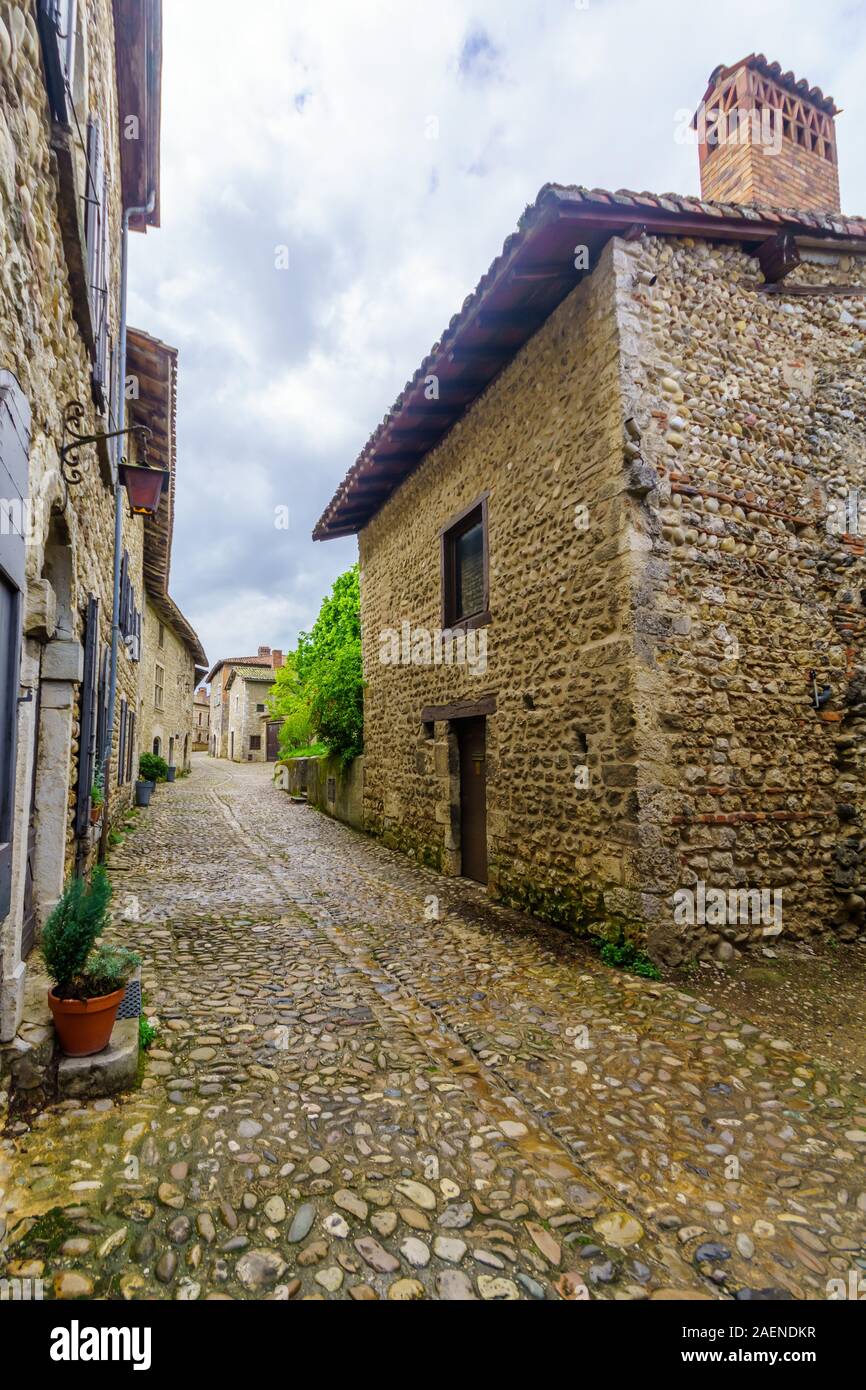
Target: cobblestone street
347,1098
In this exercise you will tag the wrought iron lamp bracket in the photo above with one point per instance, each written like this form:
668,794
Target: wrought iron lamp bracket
70,464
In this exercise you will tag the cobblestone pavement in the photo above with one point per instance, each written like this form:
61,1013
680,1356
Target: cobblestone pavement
349,1098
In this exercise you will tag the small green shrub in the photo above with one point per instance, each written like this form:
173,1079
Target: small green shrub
624,955
146,1033
152,768
109,967
97,791
78,919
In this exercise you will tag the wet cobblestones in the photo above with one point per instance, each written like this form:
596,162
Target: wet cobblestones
348,1098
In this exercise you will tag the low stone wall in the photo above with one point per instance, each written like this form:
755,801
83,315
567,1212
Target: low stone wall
329,784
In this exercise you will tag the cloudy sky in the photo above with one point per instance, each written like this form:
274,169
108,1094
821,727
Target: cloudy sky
335,178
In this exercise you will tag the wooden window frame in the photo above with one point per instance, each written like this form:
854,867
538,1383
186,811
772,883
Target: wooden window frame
158,686
255,743
448,535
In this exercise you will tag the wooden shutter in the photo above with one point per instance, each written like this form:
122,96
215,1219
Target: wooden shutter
86,719
14,466
124,596
102,708
56,21
130,747
96,236
100,367
121,744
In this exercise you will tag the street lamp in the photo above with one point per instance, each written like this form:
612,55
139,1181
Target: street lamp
144,487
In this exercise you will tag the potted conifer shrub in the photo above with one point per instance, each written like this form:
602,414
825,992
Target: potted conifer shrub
89,979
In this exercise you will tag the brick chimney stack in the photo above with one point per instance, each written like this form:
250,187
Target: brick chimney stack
766,137
265,651
276,659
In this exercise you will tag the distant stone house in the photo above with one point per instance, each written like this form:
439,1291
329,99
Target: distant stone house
75,80
612,553
218,678
201,721
247,692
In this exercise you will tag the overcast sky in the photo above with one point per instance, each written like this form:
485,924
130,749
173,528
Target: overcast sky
385,150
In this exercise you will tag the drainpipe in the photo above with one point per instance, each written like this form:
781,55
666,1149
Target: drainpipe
120,396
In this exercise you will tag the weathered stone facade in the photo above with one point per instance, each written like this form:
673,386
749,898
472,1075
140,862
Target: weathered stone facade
750,575
168,672
671,470
58,345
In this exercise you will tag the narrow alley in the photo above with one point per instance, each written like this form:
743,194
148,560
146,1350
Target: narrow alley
352,1097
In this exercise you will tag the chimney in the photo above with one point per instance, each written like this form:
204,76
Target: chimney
764,137
265,651
276,659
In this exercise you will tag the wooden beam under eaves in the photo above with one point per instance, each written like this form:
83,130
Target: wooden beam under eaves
777,257
553,270
477,352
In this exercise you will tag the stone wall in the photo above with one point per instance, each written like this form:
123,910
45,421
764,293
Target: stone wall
748,575
329,784
546,441
172,722
44,344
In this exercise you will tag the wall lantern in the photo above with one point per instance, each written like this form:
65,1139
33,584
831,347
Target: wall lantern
144,487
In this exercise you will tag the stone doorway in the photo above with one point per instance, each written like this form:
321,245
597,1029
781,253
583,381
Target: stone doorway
472,749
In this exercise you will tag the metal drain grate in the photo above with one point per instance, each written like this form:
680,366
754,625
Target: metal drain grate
130,1004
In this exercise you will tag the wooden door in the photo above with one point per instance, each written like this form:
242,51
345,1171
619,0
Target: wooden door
273,742
472,743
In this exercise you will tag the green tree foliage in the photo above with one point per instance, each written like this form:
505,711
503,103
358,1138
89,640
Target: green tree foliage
329,665
287,701
320,691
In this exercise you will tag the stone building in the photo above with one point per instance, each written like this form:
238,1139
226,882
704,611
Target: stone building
246,695
201,721
221,706
628,487
79,167
172,655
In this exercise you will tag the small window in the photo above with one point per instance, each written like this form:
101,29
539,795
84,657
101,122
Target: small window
464,567
159,687
260,709
161,637
255,743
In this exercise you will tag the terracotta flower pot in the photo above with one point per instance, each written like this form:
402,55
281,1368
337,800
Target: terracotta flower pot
84,1025
95,815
